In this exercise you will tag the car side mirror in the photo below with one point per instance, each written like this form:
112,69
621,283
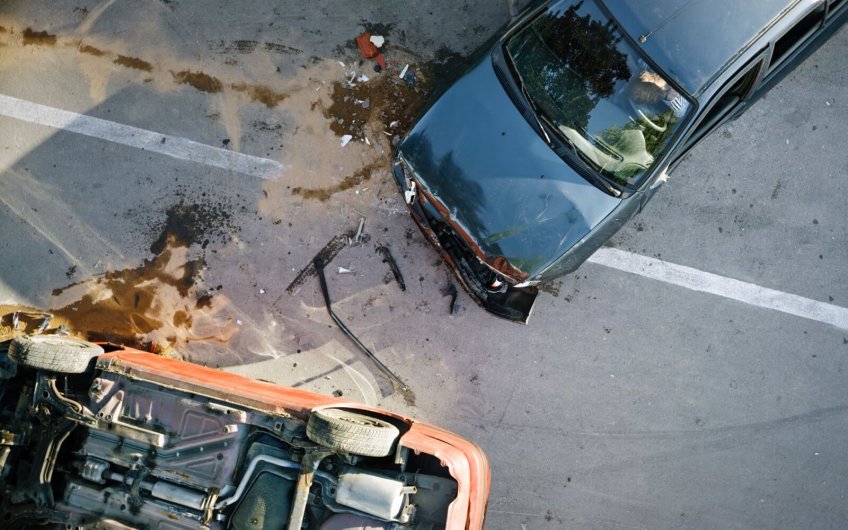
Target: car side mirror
662,178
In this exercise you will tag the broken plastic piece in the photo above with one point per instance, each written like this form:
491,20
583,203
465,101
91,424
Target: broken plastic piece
409,78
450,290
388,258
377,40
366,47
347,270
403,72
346,139
358,237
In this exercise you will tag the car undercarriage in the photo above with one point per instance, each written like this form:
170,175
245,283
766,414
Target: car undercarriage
106,449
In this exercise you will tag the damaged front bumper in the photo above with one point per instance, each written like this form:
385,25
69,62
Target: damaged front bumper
491,290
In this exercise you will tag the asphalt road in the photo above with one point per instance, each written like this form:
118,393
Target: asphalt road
627,402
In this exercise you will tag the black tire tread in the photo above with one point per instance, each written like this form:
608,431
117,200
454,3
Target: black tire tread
350,432
53,353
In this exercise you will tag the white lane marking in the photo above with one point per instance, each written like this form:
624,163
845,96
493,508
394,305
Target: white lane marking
173,146
706,282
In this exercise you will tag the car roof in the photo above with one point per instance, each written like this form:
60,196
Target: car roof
692,40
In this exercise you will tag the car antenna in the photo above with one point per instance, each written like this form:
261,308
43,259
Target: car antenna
644,38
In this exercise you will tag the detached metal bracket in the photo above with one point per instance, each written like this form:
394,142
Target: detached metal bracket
45,319
319,267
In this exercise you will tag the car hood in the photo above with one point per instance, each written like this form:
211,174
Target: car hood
500,183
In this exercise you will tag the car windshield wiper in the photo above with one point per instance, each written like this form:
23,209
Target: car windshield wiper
533,107
595,172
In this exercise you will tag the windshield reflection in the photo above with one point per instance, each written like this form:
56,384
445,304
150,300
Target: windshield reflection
591,86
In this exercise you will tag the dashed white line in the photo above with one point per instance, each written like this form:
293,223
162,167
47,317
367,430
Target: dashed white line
173,146
706,282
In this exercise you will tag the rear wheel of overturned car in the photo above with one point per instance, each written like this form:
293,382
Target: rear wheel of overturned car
350,432
53,353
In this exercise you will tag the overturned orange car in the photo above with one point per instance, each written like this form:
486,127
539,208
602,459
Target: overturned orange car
105,436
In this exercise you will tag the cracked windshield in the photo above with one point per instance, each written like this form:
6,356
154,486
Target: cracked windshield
592,87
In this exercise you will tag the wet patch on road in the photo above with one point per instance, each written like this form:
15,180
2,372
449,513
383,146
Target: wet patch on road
91,50
323,194
133,62
261,94
199,80
37,38
189,224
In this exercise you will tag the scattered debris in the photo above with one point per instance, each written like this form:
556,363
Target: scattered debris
368,50
388,258
319,265
261,291
377,40
346,139
409,78
358,237
403,72
326,254
347,270
450,290
44,317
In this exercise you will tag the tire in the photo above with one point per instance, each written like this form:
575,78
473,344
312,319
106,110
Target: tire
53,353
350,432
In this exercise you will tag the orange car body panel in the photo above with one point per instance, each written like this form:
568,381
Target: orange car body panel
465,461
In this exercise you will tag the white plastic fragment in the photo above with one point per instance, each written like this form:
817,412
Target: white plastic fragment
377,40
347,270
367,141
362,78
343,65
239,322
403,72
261,291
346,139
358,237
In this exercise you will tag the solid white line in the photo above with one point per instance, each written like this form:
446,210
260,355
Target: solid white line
173,146
706,282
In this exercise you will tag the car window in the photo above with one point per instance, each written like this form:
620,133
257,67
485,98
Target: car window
594,89
796,35
728,99
834,6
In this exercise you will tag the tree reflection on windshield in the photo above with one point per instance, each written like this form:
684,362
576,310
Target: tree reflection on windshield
591,86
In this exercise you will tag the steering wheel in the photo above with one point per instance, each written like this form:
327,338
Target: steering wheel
647,121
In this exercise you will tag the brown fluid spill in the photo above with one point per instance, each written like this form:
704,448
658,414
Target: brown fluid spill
91,50
152,307
261,94
376,110
388,101
3,29
199,80
133,62
38,38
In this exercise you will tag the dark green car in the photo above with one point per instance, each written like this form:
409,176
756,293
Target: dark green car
566,126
